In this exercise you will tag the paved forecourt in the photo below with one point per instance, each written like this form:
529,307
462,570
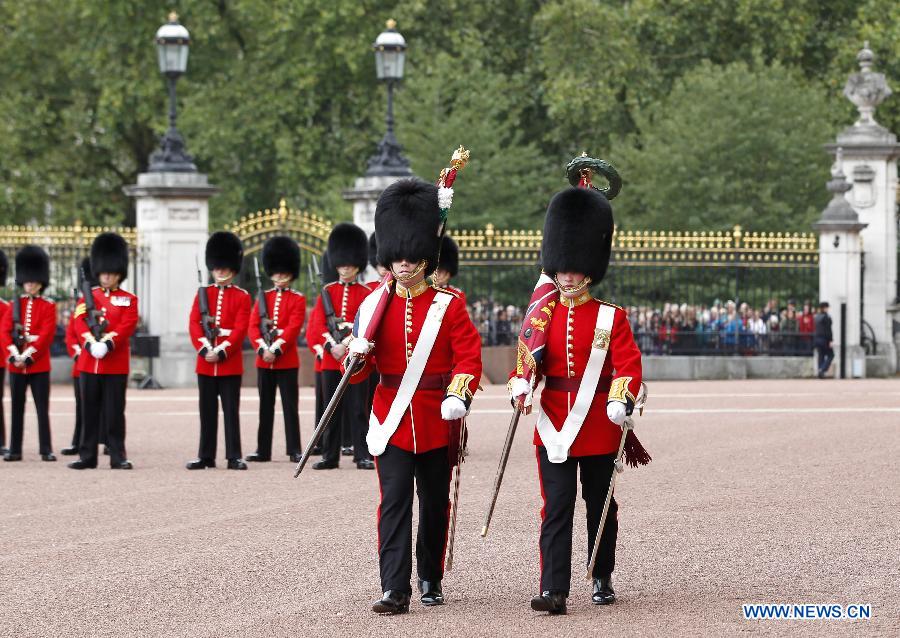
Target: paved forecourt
759,492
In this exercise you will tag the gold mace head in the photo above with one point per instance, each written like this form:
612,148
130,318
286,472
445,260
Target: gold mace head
460,158
391,23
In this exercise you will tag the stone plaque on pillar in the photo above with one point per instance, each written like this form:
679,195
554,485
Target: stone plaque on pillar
173,226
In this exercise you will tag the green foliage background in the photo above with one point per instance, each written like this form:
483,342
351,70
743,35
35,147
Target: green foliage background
714,112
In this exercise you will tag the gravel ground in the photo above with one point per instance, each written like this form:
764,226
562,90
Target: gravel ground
760,491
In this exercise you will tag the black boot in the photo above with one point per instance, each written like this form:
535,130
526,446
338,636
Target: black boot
236,464
431,592
325,465
365,464
603,591
82,465
256,457
122,465
9,456
347,451
69,451
554,603
295,457
199,464
48,457
392,602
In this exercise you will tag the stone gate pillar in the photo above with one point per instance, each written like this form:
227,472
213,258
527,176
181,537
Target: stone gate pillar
384,168
840,269
173,226
870,154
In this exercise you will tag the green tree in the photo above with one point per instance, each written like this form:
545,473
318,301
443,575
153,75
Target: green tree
730,145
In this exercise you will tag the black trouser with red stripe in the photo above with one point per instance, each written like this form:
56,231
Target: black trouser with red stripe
396,471
40,392
211,389
559,490
286,382
76,434
102,406
350,410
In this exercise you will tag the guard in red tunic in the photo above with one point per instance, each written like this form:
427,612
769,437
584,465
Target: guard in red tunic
27,335
217,333
275,339
429,356
329,274
589,347
73,349
348,252
104,325
448,268
4,308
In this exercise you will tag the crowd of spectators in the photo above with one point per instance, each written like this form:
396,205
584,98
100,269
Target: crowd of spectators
726,327
721,327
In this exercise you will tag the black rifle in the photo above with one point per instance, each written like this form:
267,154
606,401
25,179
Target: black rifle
210,330
94,318
18,330
266,325
338,328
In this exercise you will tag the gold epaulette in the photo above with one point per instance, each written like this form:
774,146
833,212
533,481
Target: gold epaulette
447,290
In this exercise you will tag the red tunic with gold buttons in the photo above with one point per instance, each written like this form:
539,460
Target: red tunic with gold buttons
455,356
39,321
73,346
4,308
120,311
570,336
345,298
229,306
287,310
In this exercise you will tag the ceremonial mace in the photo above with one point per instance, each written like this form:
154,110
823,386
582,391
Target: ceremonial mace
618,468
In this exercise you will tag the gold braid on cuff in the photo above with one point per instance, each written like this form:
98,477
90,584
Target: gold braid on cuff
618,391
459,387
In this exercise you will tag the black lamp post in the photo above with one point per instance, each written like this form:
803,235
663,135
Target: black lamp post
172,44
390,53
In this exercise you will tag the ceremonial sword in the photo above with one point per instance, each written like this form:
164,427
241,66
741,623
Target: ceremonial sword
618,468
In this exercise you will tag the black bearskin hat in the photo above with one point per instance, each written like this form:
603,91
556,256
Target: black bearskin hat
109,253
224,250
84,270
281,254
329,272
407,218
32,264
373,251
4,268
348,246
449,259
578,233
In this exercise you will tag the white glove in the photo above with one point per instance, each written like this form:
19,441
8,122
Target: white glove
615,410
453,408
519,387
99,349
360,347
